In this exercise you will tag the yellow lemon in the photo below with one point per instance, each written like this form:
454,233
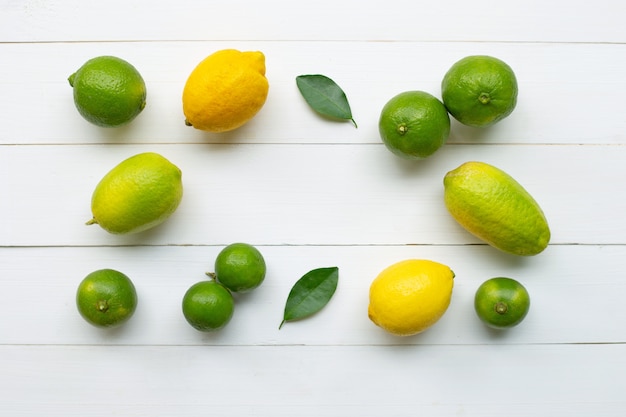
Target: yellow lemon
494,207
225,90
410,296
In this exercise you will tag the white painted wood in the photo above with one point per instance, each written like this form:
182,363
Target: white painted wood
577,380
309,193
569,93
480,20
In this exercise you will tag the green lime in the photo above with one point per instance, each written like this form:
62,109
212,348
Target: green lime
479,90
208,306
139,193
501,302
414,124
106,298
240,267
108,91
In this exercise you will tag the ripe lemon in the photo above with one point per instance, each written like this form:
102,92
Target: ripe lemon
225,90
501,302
414,124
494,207
106,298
139,193
208,306
410,296
479,90
108,91
240,267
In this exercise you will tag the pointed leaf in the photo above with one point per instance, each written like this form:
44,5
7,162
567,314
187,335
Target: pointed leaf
325,96
310,293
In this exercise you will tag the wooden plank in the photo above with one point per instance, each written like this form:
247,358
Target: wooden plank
306,194
39,109
576,295
577,380
481,20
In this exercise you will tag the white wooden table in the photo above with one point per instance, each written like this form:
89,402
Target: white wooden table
309,192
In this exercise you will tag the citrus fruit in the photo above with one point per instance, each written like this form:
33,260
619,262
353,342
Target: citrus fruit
208,306
139,193
479,90
108,91
410,296
106,298
494,207
414,124
240,267
501,302
225,90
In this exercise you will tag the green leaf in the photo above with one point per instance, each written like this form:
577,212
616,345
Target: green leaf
325,96
310,293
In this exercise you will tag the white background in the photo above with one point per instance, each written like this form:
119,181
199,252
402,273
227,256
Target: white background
309,193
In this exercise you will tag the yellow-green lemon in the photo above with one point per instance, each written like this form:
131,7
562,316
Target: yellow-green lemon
494,207
410,296
225,90
108,91
479,90
139,193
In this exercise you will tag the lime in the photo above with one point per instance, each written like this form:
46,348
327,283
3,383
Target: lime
139,193
494,207
108,91
501,302
106,298
410,296
479,90
208,306
414,124
240,267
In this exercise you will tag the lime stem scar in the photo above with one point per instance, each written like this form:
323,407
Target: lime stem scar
102,306
402,129
500,307
484,98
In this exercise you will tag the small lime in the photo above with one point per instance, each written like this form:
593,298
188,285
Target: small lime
208,306
479,90
501,302
108,91
414,124
106,298
240,267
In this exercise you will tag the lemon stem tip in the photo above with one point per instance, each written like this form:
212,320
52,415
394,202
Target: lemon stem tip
92,221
